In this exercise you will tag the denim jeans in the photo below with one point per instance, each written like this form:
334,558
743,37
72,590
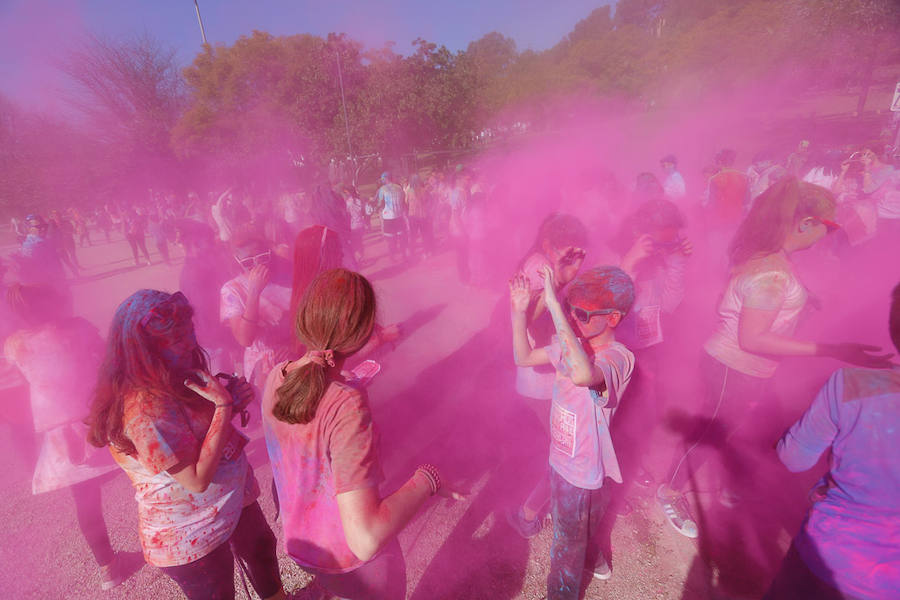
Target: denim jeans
576,515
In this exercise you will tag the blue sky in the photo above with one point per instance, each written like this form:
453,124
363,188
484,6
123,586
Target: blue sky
34,33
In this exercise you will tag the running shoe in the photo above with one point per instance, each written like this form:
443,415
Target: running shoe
601,570
675,509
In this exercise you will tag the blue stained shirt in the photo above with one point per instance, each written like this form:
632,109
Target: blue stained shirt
851,538
391,196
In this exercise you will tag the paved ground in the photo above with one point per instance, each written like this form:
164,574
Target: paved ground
441,397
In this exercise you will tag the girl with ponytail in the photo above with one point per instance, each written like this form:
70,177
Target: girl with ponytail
757,316
322,446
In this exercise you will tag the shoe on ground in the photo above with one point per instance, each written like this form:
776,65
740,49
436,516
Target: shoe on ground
601,570
525,528
676,511
123,566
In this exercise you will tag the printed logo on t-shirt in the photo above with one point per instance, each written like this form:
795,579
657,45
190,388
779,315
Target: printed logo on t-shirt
562,430
648,330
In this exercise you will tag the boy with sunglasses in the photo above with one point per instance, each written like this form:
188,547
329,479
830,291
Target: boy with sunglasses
592,372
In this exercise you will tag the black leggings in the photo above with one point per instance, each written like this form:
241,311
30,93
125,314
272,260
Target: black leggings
89,511
732,428
138,242
212,577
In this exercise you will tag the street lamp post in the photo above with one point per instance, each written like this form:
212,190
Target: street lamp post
337,57
200,20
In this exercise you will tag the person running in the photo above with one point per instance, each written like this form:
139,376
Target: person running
167,422
59,356
322,445
559,244
391,201
356,208
654,252
592,373
134,226
848,545
756,320
419,199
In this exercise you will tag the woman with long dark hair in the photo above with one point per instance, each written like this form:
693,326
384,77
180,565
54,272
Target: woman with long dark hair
322,446
168,424
318,249
757,315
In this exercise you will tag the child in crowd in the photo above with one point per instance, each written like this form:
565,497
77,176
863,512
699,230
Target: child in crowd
559,244
323,447
592,372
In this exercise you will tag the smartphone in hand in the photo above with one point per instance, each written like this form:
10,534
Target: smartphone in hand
363,373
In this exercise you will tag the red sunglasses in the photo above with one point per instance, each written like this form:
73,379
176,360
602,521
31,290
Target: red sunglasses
831,226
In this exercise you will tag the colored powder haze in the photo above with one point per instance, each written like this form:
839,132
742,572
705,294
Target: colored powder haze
446,393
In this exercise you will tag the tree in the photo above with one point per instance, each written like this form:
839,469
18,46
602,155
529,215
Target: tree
130,94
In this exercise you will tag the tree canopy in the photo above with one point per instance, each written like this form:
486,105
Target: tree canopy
263,105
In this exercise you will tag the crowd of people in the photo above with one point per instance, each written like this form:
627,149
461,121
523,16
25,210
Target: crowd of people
274,318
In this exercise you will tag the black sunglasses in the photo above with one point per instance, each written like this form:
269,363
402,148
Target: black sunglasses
585,316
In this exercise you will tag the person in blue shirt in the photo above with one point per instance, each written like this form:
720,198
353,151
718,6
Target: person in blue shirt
849,544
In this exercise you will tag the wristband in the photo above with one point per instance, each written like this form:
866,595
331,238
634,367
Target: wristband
431,473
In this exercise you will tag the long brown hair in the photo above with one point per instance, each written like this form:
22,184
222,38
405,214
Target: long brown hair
337,313
765,229
316,249
133,363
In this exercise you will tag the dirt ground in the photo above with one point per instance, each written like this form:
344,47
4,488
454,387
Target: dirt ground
454,550
443,396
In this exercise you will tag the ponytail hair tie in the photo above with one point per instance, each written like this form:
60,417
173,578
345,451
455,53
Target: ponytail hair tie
321,357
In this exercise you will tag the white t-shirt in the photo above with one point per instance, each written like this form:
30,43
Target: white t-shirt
773,289
674,187
581,447
274,301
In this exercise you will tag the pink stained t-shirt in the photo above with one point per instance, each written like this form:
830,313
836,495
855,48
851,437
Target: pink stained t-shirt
312,463
581,448
176,526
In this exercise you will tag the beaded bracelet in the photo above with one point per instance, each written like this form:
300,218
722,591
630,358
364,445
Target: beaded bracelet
431,473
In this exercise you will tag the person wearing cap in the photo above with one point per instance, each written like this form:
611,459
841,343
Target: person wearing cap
391,200
673,184
587,391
